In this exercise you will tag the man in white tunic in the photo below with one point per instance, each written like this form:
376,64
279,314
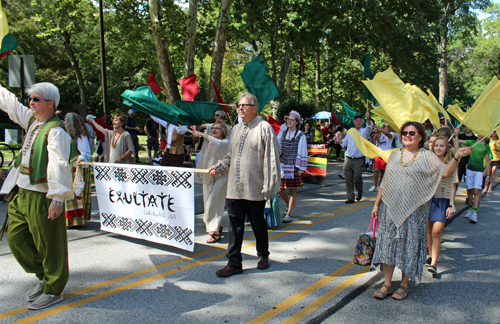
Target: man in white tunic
37,186
253,169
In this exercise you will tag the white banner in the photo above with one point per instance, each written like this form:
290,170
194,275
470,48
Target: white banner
147,202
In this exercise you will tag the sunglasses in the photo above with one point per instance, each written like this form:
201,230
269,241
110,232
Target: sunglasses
291,119
411,133
217,115
214,128
36,99
245,105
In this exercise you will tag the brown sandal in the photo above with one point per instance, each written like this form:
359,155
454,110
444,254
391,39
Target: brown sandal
379,294
401,295
214,238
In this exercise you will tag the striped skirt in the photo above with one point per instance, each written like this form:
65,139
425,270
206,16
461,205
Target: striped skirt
292,183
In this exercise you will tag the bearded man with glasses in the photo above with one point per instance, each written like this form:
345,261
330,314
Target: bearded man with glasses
253,169
37,186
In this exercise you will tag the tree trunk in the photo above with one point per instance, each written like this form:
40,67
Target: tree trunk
318,81
285,62
442,44
289,85
163,53
219,48
191,38
273,58
82,106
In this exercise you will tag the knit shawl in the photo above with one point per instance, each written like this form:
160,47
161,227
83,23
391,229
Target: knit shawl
211,152
407,188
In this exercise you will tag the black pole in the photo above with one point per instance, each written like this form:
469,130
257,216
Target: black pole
103,63
21,72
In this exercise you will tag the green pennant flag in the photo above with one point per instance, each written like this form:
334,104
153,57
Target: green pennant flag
470,103
447,101
346,121
197,111
365,60
258,83
349,112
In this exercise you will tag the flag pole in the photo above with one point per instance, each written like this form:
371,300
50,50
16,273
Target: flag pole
189,169
484,137
300,74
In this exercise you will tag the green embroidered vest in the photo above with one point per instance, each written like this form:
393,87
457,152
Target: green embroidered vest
38,156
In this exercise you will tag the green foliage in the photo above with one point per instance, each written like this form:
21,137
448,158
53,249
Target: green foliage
305,109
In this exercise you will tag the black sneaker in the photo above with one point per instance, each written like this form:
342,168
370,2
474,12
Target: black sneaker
432,269
428,262
349,201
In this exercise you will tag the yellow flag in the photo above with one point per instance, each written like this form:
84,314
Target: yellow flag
382,113
368,149
484,115
4,27
402,102
456,112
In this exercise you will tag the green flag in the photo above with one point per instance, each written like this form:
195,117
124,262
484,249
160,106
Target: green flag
258,83
197,111
349,112
365,60
143,99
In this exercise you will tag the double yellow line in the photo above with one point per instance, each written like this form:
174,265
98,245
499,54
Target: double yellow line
307,222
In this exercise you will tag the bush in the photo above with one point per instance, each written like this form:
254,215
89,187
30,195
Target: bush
305,109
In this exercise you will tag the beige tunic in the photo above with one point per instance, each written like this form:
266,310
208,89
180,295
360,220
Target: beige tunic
123,145
252,162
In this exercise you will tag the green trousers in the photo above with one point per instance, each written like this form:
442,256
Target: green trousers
39,244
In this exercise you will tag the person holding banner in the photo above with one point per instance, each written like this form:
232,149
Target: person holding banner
214,187
119,146
293,161
253,170
79,209
411,179
37,186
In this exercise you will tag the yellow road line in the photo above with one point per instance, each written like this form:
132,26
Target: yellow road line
326,297
300,295
170,272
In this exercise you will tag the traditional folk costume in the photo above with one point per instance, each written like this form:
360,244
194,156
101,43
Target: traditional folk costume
41,174
293,157
117,145
173,154
79,209
409,183
252,167
214,187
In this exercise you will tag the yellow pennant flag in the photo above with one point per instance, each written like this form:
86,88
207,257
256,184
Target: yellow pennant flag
368,149
402,102
456,112
484,115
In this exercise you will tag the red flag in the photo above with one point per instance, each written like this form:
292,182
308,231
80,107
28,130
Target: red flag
153,85
189,87
335,120
302,64
221,101
276,124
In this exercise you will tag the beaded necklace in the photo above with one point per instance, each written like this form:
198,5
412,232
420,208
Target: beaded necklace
113,142
405,165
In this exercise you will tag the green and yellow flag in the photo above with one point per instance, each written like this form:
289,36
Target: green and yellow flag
484,115
456,112
9,43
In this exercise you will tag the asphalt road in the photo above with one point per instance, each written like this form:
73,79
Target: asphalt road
116,279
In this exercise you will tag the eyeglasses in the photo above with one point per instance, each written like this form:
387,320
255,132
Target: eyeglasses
217,115
386,125
214,128
244,105
36,99
292,119
411,133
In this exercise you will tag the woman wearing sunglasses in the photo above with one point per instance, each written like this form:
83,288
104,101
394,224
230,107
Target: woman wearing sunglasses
293,161
411,178
214,187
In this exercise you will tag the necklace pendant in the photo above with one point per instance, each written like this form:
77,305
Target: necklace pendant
402,164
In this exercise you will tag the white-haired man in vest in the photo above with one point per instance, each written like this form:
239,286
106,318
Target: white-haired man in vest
37,186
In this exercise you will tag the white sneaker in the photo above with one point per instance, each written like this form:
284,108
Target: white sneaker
473,218
372,189
469,213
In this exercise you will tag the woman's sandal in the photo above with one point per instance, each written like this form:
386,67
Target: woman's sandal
214,238
379,294
401,295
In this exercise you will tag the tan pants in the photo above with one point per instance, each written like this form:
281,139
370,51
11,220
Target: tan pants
353,170
214,200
